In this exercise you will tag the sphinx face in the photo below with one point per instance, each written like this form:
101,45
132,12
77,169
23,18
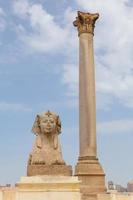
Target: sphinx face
47,124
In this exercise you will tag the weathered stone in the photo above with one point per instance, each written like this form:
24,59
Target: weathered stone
48,188
46,156
88,168
93,178
61,170
85,22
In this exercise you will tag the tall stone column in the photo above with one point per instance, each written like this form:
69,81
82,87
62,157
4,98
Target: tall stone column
88,168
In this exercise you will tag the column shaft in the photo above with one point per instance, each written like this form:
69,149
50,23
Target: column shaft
87,106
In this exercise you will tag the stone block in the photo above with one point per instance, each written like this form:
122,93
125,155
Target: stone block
48,188
61,170
92,178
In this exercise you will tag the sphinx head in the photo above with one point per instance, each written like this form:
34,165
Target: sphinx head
47,123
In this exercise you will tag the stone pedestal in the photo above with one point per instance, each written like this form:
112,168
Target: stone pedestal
92,176
48,188
61,170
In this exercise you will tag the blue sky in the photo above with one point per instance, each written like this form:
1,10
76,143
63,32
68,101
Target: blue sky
39,71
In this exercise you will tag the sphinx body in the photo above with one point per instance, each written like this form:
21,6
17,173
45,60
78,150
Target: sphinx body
46,149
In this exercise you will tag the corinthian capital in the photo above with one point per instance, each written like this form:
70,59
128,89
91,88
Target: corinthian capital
85,22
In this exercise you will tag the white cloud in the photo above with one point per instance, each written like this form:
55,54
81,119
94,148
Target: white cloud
114,49
103,101
113,45
122,126
21,7
70,78
2,20
45,35
15,107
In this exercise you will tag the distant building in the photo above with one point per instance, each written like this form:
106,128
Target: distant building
116,187
130,186
5,186
120,188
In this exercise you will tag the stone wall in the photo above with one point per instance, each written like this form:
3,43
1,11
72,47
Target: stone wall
10,194
116,196
130,187
7,193
1,198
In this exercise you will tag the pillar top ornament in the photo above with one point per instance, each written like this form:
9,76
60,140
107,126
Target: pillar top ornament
85,22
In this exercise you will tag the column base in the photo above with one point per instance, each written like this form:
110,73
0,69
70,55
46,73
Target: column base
62,170
90,172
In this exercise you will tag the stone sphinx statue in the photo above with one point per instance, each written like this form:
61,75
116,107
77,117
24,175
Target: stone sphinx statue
47,149
46,153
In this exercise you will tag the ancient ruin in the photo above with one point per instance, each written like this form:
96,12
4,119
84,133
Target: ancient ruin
88,168
46,156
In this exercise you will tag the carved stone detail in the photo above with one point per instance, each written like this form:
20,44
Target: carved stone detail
46,156
85,22
47,149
